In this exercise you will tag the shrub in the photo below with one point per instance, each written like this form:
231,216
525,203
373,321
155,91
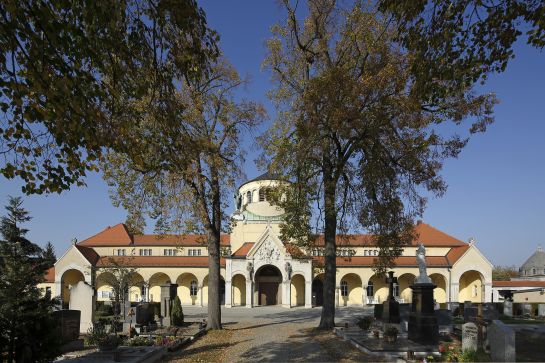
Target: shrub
140,342
365,322
177,314
391,331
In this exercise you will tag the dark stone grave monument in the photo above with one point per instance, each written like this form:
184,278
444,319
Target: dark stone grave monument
390,310
168,293
423,327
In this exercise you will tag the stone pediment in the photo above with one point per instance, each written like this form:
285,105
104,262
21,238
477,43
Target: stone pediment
268,248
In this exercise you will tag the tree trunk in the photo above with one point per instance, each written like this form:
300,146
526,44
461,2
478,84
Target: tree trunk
327,320
214,235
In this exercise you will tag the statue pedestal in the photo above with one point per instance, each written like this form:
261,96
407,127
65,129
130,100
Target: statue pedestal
390,311
423,326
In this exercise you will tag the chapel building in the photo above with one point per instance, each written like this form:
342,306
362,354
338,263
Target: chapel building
257,268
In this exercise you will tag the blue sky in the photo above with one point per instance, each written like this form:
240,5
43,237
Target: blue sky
496,187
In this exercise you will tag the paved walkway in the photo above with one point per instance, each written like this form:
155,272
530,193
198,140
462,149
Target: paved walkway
275,334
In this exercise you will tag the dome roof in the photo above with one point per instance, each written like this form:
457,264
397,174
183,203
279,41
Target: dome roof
264,176
536,260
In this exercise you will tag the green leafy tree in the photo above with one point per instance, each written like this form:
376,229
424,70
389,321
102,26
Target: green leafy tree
48,254
120,276
456,43
27,329
177,313
66,69
357,140
185,173
504,273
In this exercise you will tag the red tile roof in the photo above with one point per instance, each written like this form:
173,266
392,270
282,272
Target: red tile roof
50,275
426,234
89,254
156,261
403,261
243,250
117,235
523,283
176,240
455,253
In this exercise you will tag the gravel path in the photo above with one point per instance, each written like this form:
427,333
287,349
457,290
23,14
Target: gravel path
270,336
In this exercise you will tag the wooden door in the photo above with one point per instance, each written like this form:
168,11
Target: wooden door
268,292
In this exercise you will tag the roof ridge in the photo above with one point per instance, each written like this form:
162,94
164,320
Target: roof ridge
107,228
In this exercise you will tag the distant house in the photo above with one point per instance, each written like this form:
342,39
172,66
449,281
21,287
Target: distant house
530,285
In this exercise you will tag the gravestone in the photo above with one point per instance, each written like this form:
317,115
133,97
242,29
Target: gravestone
390,310
144,314
82,298
444,316
423,326
404,312
490,312
508,308
469,336
68,322
502,342
444,320
541,310
470,314
168,293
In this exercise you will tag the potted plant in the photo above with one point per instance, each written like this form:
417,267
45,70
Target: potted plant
365,322
390,334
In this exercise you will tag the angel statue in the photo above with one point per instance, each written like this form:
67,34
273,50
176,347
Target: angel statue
423,277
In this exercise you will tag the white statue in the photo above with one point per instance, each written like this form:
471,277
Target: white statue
423,277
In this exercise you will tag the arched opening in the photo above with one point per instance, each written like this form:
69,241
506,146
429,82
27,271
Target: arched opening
268,279
318,290
155,282
351,290
238,294
136,291
440,292
69,278
404,293
379,289
297,290
188,288
205,291
471,287
105,290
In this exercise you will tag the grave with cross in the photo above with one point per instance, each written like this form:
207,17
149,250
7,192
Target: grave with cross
390,307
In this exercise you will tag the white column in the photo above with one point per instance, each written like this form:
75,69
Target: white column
200,295
487,292
308,294
337,295
249,293
228,290
286,294
454,290
364,294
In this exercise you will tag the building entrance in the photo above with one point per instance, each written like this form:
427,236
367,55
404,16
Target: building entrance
268,279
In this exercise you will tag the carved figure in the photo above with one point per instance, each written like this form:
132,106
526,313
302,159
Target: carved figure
250,269
421,260
288,270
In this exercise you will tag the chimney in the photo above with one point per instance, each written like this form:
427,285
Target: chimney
418,222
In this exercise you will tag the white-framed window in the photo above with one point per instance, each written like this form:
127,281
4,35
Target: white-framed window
248,197
190,252
365,252
344,288
145,252
120,252
193,288
170,252
106,294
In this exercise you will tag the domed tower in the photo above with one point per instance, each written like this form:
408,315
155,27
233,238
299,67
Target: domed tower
253,210
534,267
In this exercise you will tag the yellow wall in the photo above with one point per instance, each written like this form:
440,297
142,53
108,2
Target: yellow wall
470,287
239,290
297,290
